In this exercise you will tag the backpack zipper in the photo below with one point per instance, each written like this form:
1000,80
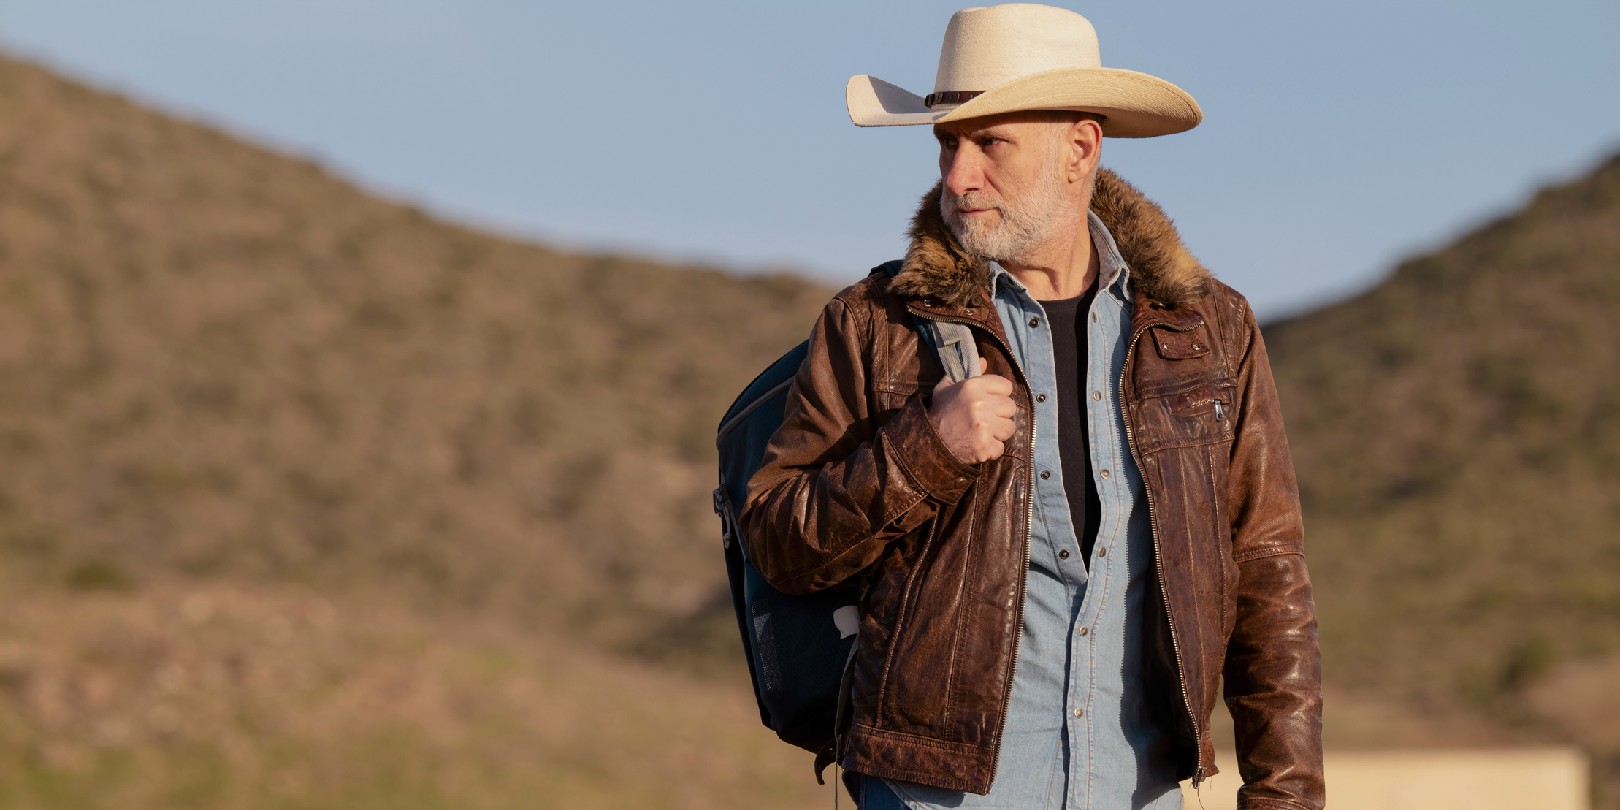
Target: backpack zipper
724,514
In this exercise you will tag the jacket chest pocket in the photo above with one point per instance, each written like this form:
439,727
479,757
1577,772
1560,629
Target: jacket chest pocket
1185,396
890,394
1198,415
902,376
901,368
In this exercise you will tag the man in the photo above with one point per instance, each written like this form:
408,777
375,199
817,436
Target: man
1061,558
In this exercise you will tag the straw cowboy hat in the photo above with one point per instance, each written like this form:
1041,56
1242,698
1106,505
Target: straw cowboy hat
1026,57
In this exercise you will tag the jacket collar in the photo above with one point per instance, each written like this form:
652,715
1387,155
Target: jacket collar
937,270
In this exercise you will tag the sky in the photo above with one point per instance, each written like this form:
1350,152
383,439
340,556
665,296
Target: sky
1338,137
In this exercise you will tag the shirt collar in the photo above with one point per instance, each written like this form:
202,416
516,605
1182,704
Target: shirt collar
1114,274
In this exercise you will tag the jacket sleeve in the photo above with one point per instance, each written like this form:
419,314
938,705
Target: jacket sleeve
1273,668
839,481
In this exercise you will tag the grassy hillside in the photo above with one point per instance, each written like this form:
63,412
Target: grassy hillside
221,363
232,699
445,479
1457,434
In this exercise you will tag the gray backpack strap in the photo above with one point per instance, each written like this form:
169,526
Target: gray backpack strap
953,342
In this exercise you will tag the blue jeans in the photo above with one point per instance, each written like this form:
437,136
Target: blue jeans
877,796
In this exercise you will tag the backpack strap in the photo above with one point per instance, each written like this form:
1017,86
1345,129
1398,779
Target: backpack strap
952,342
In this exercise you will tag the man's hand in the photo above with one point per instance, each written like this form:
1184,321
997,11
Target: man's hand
975,416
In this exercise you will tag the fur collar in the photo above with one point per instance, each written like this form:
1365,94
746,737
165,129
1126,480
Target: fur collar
1162,269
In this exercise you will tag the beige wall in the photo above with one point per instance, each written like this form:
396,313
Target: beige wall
1543,779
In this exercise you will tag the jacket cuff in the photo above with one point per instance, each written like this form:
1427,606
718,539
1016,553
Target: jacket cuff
922,455
1270,804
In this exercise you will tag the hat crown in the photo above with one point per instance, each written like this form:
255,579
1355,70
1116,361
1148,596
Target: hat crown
988,47
1019,57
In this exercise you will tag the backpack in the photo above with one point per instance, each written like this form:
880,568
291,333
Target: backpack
798,647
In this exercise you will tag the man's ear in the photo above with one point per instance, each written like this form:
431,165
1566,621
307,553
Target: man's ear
1085,142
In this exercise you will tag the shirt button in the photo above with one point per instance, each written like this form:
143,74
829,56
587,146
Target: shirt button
1045,474
1093,317
1096,395
1064,554
1102,552
1078,711
1034,322
1104,474
1040,397
1085,631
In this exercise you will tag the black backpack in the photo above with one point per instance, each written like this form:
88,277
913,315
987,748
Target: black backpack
797,646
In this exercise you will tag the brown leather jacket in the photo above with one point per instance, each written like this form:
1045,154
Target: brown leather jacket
858,491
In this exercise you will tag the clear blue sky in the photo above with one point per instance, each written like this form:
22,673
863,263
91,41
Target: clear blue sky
1338,137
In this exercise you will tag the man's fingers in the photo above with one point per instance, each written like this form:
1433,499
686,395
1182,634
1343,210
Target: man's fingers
987,451
1002,429
988,407
991,436
975,416
993,384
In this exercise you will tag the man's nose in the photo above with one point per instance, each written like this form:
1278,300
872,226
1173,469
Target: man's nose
962,171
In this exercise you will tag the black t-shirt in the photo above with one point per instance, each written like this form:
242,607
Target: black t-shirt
1068,320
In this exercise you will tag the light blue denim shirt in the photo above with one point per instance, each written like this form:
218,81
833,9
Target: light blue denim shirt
1079,733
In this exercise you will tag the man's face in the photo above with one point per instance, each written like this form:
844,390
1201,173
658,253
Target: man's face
1005,187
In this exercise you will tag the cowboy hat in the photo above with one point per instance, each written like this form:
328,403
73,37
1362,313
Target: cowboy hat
1023,56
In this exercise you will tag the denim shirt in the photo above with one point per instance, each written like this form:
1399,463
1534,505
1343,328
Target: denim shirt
1079,732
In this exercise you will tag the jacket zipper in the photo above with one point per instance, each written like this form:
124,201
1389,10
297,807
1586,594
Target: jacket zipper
1158,562
1029,522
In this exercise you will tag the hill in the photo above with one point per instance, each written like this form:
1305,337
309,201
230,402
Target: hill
220,363
1457,436
226,371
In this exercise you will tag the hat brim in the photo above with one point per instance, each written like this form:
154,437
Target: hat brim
1136,105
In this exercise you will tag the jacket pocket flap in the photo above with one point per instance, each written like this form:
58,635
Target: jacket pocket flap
1201,400
1180,345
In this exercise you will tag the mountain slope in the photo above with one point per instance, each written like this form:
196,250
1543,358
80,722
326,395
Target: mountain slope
230,379
1457,436
218,362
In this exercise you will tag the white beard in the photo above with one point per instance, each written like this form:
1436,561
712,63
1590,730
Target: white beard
1020,228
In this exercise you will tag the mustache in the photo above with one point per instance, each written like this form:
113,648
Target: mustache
971,200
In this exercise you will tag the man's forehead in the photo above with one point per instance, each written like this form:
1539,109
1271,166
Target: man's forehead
995,124
1002,124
